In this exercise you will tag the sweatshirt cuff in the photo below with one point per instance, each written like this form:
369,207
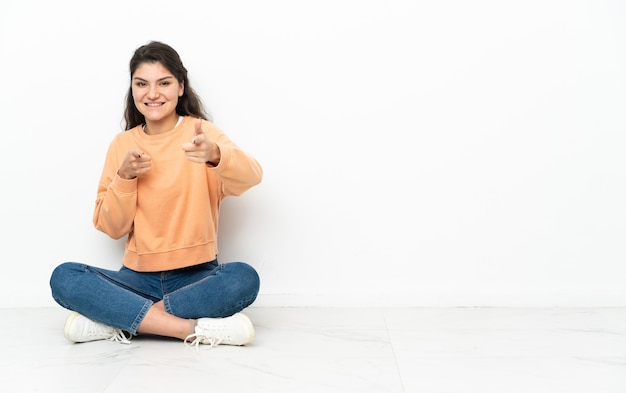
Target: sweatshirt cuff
225,157
123,185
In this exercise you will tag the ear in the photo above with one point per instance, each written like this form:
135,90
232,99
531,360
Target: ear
181,89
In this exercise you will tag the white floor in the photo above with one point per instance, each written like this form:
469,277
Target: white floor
455,350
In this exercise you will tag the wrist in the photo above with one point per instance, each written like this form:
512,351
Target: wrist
124,177
217,155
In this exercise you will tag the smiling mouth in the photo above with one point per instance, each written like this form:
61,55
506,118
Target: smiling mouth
154,104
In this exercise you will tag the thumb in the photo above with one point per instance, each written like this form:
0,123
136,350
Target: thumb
198,127
197,131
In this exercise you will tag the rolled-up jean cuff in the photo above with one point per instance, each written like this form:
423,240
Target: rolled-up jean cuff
140,316
167,305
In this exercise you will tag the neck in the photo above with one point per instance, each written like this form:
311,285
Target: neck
159,127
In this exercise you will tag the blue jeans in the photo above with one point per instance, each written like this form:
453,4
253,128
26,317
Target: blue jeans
122,298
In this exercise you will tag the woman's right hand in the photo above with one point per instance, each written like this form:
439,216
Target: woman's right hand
135,163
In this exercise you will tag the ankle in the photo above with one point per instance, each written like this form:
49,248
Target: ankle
192,325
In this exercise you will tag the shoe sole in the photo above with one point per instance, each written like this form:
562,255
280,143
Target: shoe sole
68,325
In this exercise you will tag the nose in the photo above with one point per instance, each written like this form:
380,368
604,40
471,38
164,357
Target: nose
153,92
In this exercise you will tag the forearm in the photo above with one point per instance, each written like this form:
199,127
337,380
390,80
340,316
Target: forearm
238,170
115,208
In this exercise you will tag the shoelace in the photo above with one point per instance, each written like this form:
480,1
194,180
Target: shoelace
120,337
202,339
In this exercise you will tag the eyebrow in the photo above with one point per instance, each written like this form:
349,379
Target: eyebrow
158,80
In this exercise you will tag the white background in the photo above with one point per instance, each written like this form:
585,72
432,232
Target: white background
427,153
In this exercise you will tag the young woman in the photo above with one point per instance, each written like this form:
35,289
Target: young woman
163,181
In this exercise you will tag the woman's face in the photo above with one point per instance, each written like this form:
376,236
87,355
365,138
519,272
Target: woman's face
155,92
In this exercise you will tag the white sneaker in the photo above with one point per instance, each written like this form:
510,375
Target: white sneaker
234,330
80,329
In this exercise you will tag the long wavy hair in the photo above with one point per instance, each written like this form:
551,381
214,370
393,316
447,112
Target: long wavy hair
189,104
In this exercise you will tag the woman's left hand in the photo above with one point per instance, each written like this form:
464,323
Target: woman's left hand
201,149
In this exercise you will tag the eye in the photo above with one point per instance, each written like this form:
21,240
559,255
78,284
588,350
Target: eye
165,83
140,84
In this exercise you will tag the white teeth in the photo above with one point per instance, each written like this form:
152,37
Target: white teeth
153,104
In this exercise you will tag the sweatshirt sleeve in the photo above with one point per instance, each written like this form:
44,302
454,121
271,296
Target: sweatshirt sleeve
237,170
116,201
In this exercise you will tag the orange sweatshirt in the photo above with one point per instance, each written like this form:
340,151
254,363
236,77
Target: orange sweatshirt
170,213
